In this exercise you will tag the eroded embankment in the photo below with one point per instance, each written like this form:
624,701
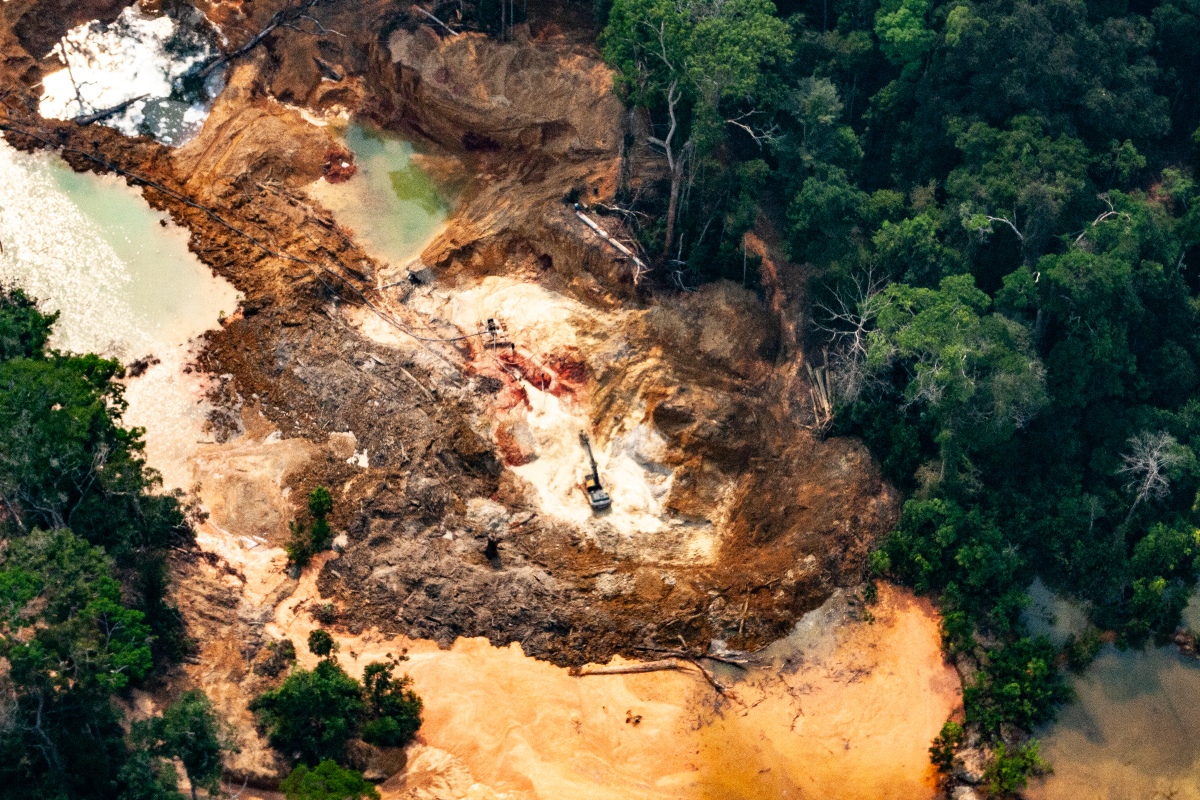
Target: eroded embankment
730,520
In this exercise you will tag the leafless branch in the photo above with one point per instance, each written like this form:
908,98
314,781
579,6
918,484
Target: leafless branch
849,318
450,30
1009,223
760,136
1112,212
1150,458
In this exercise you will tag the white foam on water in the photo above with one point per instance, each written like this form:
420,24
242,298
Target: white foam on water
138,54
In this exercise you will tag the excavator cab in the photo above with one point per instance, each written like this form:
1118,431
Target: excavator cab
597,497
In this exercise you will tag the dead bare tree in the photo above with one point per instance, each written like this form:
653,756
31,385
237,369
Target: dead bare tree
848,319
1104,216
760,136
1148,463
283,17
677,159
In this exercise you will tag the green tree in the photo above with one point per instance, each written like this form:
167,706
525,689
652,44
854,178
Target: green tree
24,330
1020,180
912,250
976,373
145,777
69,643
67,462
306,540
327,781
945,744
189,730
319,506
692,60
313,714
1010,767
1019,686
393,710
903,35
825,214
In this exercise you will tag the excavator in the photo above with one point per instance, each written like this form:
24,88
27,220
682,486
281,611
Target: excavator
597,497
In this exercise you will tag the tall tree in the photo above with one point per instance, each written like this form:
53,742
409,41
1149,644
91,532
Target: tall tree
189,730
692,61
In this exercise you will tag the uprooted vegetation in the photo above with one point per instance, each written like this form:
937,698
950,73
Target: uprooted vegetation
755,509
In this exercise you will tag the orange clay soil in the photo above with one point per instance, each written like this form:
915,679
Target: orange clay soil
848,713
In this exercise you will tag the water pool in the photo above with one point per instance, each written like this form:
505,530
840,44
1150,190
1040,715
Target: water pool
125,285
392,205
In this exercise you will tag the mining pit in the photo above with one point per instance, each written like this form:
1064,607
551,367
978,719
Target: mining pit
450,443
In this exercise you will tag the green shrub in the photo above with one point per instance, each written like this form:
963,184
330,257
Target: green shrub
321,644
1009,769
306,541
945,745
1019,685
327,781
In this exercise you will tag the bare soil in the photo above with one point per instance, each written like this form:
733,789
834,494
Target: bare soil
713,377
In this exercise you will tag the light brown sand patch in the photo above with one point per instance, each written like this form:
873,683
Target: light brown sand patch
852,722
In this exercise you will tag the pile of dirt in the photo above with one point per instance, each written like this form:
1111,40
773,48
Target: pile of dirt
478,94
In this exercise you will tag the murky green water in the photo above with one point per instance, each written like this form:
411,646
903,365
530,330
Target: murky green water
391,204
90,247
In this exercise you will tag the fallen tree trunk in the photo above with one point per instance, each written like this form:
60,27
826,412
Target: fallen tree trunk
632,669
105,113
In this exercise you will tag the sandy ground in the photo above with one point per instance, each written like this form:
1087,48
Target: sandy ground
834,711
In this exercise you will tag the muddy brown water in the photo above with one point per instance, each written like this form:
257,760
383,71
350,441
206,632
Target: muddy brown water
1133,732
